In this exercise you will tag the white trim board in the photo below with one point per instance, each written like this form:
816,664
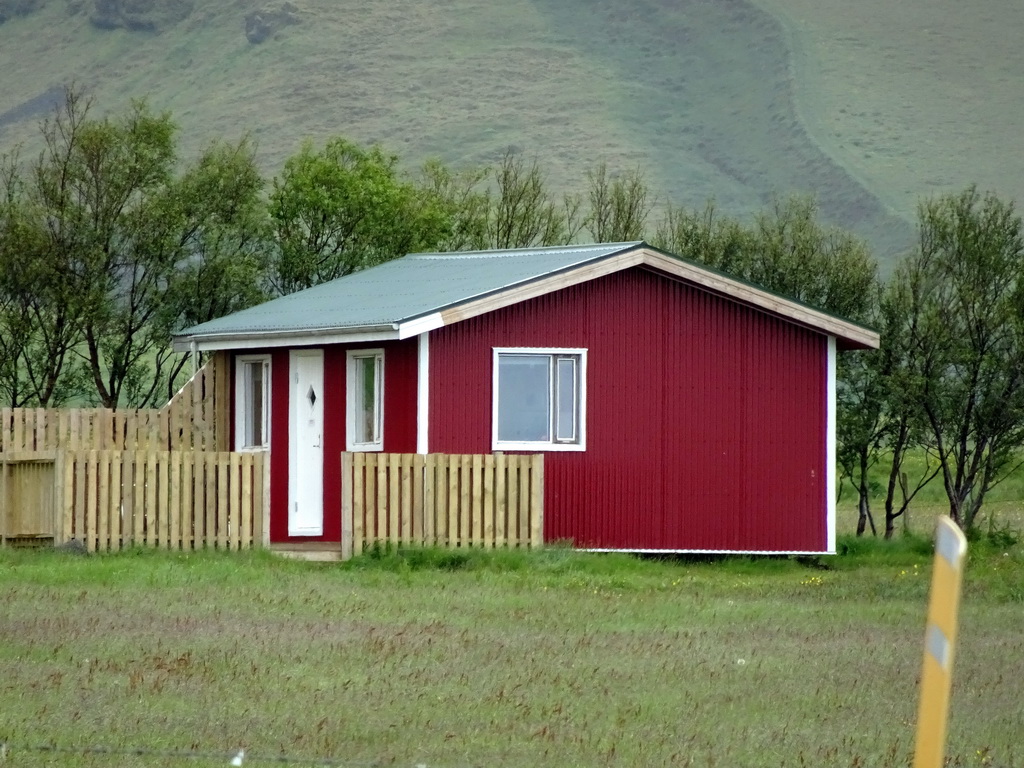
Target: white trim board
423,393
796,552
830,446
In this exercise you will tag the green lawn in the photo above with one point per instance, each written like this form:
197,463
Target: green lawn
510,659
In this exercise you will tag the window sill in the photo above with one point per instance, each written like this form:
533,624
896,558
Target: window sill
538,447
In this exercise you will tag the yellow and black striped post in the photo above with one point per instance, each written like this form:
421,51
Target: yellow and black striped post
939,642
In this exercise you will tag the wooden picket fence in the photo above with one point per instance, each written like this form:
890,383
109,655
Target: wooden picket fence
445,500
109,500
165,499
195,418
28,484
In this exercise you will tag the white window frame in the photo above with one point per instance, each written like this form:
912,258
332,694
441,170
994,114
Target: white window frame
243,402
351,408
580,444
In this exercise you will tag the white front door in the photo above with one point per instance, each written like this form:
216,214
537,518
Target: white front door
305,444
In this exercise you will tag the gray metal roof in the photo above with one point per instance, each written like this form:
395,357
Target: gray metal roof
401,290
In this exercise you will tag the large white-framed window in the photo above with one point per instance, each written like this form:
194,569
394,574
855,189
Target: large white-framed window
540,399
365,407
252,402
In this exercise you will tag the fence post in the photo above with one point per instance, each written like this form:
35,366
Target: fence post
346,505
3,496
537,501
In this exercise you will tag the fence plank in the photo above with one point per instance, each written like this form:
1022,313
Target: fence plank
114,501
222,506
477,502
347,514
245,492
235,503
418,478
393,464
91,499
500,499
487,494
68,501
358,503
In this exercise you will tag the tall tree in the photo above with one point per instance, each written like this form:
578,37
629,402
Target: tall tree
220,237
965,287
462,200
345,208
122,250
101,183
619,205
524,213
37,328
786,250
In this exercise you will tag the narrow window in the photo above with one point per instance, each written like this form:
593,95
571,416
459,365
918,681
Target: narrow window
538,399
365,420
252,402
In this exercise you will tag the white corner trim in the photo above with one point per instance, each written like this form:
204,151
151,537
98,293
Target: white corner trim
423,393
830,446
420,325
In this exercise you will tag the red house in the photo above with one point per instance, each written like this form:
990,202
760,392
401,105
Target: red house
680,409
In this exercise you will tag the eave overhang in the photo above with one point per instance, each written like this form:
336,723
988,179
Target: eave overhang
849,335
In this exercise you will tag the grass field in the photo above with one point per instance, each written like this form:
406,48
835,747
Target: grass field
548,659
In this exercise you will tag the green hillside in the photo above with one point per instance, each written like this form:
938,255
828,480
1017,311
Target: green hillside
729,100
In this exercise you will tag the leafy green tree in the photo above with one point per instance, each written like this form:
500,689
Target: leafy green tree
707,236
861,398
964,286
463,201
40,308
102,182
345,208
786,250
878,417
523,212
116,251
222,242
619,205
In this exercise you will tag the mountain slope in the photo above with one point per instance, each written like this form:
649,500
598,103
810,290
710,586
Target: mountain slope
701,96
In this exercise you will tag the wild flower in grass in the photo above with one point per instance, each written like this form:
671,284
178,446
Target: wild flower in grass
915,571
812,581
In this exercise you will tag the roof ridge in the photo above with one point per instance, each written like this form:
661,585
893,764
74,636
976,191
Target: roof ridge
505,253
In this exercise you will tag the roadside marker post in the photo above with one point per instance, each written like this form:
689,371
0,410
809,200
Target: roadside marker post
939,643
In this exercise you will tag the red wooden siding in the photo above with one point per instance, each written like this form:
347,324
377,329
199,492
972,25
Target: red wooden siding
400,371
706,420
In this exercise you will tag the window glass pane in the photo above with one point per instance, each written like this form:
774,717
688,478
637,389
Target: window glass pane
524,397
367,399
565,429
254,417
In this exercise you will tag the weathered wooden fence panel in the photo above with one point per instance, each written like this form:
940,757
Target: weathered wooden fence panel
195,418
441,500
27,495
165,499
